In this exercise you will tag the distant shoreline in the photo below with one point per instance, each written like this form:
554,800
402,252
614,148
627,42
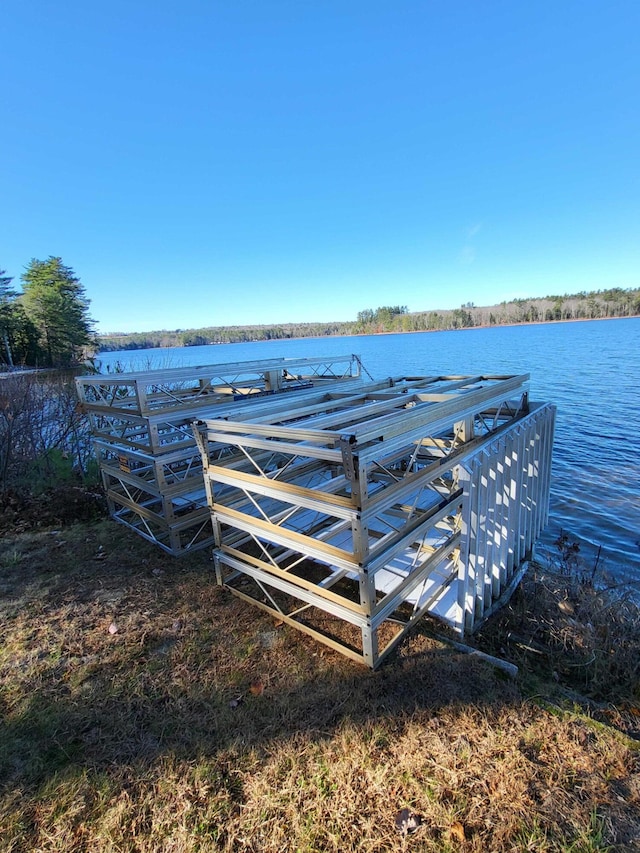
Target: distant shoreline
362,334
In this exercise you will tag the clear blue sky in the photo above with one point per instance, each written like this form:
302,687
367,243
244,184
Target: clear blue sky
202,163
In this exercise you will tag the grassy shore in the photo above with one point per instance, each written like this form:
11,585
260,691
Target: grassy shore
144,709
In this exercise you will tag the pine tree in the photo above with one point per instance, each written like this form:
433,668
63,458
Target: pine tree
54,301
7,297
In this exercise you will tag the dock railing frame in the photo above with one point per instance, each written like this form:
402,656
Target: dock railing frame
141,424
162,391
348,516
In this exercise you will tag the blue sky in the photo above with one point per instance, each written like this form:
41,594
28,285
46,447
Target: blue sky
203,163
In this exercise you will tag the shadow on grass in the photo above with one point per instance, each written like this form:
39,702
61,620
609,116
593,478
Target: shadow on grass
137,696
185,670
160,697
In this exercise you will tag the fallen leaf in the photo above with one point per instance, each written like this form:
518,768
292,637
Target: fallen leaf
407,822
457,831
402,819
257,687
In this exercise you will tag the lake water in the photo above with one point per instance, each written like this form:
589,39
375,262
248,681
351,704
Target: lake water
590,370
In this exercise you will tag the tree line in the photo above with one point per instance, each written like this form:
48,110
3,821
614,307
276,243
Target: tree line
613,302
47,323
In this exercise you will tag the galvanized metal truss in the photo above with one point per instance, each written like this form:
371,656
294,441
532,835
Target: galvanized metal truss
162,391
351,514
144,442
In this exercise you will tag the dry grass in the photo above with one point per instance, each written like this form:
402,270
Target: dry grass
576,633
143,709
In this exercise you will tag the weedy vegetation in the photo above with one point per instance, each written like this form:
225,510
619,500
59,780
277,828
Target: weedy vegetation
44,437
145,709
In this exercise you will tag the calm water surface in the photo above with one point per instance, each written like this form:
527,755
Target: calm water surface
590,370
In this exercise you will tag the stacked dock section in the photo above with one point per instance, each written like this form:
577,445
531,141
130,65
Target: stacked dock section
144,441
351,512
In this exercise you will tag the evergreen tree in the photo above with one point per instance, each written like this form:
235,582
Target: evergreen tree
7,297
54,301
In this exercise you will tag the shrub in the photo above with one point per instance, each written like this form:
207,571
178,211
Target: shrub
44,436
